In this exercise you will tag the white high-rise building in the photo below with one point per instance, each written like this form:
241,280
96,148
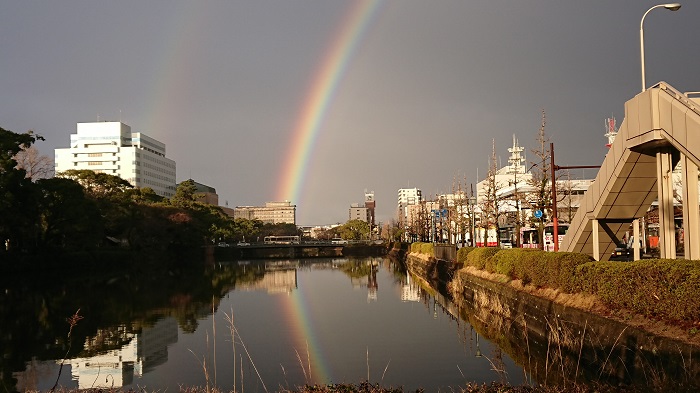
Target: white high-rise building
408,196
111,147
409,205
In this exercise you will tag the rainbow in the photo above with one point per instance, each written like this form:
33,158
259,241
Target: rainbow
294,167
320,95
304,338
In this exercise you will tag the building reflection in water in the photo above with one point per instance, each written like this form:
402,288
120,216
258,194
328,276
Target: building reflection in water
274,281
372,285
410,291
112,369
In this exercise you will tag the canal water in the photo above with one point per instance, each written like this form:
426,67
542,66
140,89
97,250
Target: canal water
252,326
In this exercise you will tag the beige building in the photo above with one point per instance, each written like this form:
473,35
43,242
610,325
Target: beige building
358,212
272,212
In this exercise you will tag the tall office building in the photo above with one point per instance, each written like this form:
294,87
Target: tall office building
111,147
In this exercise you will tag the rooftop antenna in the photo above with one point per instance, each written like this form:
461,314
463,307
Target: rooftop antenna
611,131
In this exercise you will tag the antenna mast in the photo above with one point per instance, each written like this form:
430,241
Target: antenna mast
610,131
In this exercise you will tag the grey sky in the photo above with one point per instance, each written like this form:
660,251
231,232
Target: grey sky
222,83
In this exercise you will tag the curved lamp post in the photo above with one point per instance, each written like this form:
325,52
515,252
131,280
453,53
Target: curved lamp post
669,6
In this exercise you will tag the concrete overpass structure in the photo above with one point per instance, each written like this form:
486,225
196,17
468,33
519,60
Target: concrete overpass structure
660,129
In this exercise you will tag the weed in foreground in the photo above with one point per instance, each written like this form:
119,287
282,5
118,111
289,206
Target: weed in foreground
72,322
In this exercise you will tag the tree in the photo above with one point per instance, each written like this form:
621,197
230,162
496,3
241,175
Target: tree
566,198
35,165
246,229
100,185
493,203
541,196
69,220
18,195
460,211
185,194
279,229
146,195
114,198
355,230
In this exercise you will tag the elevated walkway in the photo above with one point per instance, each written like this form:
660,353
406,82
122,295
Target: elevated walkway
661,128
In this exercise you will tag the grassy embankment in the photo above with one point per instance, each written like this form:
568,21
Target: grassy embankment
660,289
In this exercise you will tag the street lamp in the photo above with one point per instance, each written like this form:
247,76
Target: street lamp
669,6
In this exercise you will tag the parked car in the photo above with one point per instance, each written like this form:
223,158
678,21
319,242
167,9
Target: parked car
222,244
621,252
243,244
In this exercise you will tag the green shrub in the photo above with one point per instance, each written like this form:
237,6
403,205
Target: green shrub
563,270
422,248
478,256
663,288
656,288
416,247
505,261
462,254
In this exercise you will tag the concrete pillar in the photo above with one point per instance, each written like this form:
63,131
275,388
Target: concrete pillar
635,244
596,242
667,233
691,211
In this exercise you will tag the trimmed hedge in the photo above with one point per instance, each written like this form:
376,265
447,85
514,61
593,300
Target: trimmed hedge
657,288
539,268
481,256
422,248
462,254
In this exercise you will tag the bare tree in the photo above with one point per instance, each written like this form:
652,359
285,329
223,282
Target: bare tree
36,166
541,196
565,200
493,203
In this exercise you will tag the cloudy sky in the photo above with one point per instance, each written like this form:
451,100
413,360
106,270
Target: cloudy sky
389,95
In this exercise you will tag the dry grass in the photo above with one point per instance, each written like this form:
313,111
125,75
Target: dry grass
366,387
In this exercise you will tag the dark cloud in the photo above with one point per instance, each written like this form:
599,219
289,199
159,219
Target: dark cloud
429,88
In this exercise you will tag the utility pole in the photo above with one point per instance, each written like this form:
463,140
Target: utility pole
555,223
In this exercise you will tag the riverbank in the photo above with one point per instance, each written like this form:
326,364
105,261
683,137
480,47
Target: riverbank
675,330
657,296
561,337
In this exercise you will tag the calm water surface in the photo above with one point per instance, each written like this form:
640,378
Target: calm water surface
295,322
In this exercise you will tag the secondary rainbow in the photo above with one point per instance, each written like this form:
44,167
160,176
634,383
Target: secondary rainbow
320,95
